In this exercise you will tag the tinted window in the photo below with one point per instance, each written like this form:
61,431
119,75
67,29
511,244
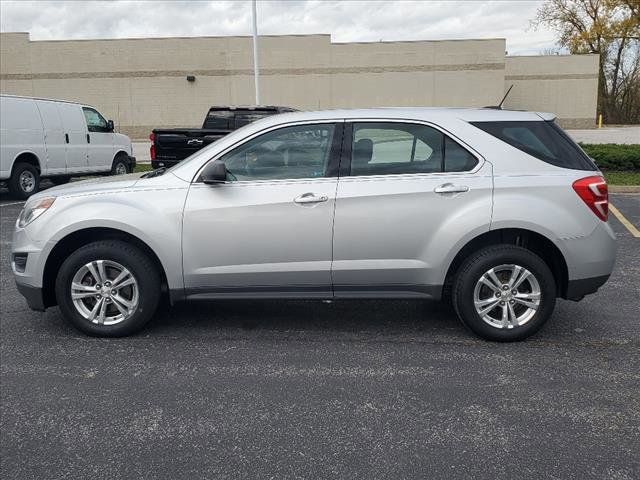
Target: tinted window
218,119
95,121
246,118
543,140
291,152
399,148
456,158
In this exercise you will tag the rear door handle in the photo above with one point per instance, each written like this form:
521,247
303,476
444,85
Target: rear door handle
310,198
451,188
88,138
66,138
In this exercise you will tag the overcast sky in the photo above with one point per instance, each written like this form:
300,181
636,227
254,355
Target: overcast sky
346,21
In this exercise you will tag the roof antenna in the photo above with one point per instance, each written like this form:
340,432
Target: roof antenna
499,106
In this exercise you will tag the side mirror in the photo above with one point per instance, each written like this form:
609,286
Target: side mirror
110,126
214,172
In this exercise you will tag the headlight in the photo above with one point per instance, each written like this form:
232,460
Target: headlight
33,210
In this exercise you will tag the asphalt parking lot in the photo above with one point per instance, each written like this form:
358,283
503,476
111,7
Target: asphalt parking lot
353,389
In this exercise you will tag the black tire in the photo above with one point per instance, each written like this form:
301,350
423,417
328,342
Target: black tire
17,187
120,165
480,262
60,179
127,255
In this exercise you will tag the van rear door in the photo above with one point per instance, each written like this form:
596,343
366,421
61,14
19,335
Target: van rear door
54,139
75,135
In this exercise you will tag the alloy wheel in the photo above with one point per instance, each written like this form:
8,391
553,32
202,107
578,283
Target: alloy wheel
104,292
507,296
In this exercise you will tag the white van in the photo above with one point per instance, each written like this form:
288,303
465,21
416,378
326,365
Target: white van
56,139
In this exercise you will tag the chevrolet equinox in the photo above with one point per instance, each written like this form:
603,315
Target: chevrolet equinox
498,212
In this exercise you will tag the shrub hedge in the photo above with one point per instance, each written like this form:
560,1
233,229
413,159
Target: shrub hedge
613,156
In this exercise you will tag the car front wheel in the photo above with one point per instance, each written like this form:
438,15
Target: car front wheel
108,288
504,293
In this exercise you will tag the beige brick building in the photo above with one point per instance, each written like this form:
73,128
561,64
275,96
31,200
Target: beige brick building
142,83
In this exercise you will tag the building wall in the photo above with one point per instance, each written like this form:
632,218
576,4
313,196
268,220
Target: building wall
141,83
564,84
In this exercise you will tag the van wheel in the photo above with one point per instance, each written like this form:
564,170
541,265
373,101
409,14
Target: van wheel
120,165
108,288
504,293
60,180
24,181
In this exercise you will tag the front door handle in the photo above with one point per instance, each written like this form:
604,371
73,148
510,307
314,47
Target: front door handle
310,198
451,188
88,138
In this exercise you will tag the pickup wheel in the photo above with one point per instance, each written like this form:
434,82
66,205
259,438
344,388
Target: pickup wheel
504,293
108,288
120,165
24,181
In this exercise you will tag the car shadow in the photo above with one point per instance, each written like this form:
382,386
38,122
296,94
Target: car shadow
381,317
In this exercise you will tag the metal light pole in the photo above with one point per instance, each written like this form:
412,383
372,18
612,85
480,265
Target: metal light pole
255,52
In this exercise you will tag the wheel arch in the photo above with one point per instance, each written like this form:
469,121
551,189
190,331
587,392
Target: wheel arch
77,239
536,242
27,156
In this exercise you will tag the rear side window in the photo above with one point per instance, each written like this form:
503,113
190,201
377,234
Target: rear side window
402,148
543,140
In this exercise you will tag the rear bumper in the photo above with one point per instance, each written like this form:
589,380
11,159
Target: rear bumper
33,295
577,289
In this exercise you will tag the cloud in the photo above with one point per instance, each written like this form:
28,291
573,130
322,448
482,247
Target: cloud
346,21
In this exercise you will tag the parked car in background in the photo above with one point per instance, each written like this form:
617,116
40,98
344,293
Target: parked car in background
56,139
498,211
171,145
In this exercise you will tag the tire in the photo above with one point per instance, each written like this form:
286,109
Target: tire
537,289
120,165
114,254
24,181
60,180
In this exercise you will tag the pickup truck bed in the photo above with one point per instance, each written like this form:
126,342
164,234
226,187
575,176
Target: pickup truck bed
170,146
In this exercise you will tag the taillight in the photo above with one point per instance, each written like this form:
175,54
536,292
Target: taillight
594,192
152,149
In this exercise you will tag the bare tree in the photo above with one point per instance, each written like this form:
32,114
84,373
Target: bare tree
610,28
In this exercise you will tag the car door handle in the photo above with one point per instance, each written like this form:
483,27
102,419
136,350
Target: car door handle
451,188
310,198
88,138
66,138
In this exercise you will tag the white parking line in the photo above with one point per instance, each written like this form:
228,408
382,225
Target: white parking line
9,204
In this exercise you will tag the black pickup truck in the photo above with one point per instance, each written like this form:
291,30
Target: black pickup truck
170,145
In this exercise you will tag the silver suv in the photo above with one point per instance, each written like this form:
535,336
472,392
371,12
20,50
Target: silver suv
498,212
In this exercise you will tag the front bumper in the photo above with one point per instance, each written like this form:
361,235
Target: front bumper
33,295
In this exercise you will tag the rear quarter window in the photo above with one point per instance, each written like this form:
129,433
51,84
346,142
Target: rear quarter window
543,140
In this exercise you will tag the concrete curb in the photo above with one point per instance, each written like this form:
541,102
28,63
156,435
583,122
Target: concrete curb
624,188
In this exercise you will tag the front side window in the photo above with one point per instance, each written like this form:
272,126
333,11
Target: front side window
540,139
402,148
95,121
301,151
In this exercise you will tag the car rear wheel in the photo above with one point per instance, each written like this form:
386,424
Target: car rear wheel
504,293
24,181
108,288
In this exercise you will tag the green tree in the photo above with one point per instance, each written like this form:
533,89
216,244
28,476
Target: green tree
610,28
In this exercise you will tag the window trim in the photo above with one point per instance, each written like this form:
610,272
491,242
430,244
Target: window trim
332,164
345,164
